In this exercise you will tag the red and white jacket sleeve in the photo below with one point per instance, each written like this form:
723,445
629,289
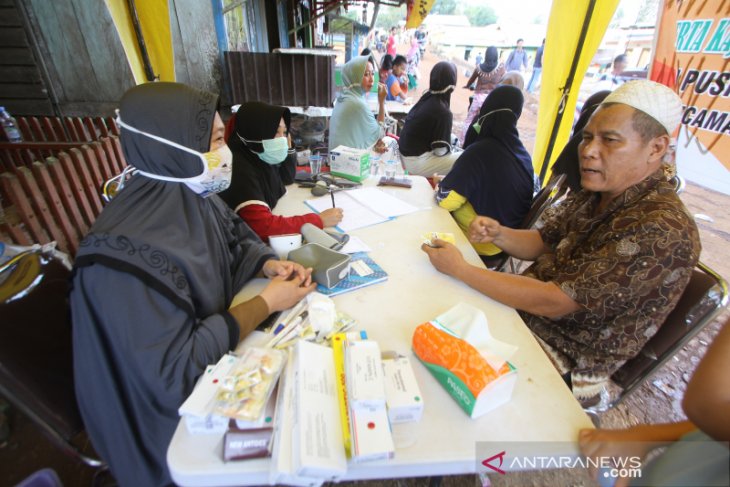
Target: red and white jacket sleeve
258,216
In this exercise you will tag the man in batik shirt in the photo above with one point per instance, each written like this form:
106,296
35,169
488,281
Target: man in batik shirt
611,262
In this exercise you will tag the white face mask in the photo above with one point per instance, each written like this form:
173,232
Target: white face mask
217,166
445,90
478,124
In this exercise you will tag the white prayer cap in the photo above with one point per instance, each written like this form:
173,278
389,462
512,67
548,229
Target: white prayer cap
654,99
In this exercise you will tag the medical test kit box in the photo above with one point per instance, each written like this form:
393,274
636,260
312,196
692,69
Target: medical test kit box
370,434
350,163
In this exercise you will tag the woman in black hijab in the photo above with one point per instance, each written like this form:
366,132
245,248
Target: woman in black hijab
487,75
494,175
568,162
425,141
155,277
262,167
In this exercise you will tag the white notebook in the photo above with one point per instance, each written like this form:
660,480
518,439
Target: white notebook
363,207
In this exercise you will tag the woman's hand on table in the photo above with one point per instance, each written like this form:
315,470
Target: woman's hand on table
483,229
445,257
290,282
285,268
331,217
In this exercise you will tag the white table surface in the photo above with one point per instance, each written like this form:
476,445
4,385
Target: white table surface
444,441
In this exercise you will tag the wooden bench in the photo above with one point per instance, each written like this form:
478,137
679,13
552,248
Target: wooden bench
56,197
66,129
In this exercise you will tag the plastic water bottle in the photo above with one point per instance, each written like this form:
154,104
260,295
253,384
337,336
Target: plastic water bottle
10,127
374,165
390,168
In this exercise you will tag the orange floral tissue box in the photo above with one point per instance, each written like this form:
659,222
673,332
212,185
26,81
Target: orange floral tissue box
477,384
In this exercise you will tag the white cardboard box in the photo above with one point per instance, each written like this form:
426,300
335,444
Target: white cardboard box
317,449
402,395
364,374
350,163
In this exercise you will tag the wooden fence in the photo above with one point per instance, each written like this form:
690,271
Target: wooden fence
52,190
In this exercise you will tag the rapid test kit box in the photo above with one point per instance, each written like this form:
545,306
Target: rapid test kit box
350,163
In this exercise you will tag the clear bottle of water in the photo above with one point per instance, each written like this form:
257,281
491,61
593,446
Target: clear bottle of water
10,126
374,165
390,168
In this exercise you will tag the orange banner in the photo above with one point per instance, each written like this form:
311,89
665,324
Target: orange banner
692,56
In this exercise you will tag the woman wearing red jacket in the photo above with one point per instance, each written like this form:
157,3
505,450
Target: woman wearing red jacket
262,167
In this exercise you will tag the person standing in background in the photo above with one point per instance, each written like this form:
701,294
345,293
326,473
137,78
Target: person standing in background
391,41
517,60
611,81
536,69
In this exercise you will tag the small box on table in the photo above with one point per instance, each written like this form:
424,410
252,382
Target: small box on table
350,163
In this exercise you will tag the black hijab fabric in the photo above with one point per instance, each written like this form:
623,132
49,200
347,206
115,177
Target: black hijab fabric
171,259
430,120
254,179
506,96
495,172
159,215
491,59
568,162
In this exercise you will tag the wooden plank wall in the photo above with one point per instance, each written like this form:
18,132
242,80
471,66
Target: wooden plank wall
197,61
84,57
22,90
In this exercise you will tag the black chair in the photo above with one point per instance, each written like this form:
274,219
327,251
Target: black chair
553,191
705,297
36,368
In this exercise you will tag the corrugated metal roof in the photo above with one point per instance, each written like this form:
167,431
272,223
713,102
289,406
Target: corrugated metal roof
281,79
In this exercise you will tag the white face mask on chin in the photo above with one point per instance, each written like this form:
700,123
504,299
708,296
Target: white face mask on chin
217,166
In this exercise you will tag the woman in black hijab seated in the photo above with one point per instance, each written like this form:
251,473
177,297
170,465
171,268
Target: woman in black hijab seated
261,170
568,162
494,175
425,141
155,277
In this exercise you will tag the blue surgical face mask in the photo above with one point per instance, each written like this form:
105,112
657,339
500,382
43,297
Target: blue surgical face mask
275,149
478,124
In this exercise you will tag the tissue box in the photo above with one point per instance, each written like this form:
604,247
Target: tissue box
350,163
464,372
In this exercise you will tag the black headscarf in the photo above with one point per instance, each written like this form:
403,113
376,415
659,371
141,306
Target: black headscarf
254,179
506,97
568,162
443,75
176,241
495,172
428,124
491,59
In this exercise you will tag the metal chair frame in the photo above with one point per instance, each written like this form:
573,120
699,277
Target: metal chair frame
13,393
712,301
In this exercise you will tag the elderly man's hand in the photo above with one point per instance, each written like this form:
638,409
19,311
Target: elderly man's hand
445,257
484,230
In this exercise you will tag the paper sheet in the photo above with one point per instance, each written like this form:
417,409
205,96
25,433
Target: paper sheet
363,207
354,245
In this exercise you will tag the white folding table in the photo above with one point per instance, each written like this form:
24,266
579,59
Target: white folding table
542,408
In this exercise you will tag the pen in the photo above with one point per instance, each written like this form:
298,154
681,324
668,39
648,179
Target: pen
332,194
